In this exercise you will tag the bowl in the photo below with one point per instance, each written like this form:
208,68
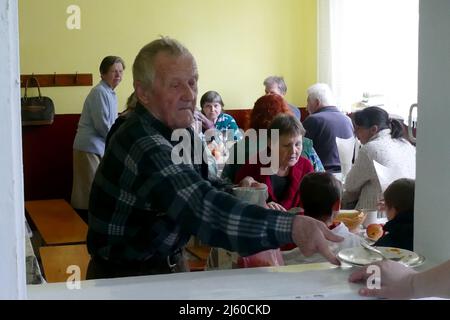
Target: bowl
254,195
351,218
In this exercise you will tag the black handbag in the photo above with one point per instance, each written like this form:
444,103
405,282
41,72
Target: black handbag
36,110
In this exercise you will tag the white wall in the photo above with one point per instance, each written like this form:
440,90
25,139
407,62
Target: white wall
12,244
432,207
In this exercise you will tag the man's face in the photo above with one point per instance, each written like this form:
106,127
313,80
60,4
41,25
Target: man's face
273,89
173,96
114,75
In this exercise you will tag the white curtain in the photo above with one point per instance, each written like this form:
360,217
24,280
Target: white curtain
369,47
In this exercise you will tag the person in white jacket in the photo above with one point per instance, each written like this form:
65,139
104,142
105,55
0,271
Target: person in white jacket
382,140
320,194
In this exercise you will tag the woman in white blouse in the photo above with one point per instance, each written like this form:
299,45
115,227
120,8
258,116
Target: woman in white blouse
383,141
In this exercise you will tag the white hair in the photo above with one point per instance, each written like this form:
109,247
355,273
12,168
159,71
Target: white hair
323,93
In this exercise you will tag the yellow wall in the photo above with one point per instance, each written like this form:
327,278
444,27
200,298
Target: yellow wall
237,43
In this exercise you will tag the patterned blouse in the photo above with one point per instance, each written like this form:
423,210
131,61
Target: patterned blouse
227,122
309,152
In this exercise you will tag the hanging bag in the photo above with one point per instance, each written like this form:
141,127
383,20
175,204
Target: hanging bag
36,110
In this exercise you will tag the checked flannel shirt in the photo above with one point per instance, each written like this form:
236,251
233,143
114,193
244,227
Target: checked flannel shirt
143,205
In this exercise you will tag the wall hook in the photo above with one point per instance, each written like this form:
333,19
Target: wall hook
59,79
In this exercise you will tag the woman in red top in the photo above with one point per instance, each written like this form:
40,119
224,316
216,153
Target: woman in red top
283,185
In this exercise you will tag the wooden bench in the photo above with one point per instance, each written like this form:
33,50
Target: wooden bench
56,222
200,252
200,255
56,259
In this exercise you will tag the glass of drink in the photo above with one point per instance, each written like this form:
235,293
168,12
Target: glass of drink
381,209
224,137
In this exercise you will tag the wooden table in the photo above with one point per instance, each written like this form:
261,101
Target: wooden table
56,260
57,222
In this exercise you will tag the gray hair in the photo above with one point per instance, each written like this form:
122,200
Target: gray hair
323,93
109,61
279,81
211,97
143,66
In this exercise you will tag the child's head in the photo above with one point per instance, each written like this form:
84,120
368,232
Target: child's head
320,193
399,197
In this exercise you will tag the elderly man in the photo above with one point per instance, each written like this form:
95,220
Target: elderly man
324,124
276,85
144,207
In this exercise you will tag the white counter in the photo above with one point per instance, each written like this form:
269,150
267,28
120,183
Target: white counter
314,281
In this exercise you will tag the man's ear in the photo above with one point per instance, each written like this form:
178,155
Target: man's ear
141,92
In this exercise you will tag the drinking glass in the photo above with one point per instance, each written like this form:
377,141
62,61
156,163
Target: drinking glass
381,209
198,126
224,133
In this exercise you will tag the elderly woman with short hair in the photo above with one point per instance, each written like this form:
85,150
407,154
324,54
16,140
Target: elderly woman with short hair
98,115
284,144
212,107
266,108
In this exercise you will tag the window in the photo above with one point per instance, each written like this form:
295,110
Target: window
368,51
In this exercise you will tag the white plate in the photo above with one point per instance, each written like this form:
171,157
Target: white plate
360,257
369,240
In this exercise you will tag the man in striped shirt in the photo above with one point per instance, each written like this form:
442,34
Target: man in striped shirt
144,206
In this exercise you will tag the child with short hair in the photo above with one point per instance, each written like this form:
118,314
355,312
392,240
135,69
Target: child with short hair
399,205
320,194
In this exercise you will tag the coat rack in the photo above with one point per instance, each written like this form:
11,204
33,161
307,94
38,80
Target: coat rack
58,79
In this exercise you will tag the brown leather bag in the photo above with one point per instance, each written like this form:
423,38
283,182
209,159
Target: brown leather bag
38,110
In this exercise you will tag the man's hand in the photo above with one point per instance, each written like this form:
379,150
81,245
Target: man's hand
396,281
311,236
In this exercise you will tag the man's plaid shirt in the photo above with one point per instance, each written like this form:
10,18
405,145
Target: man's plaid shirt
142,204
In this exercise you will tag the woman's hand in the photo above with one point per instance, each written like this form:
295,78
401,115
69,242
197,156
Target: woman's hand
249,182
275,206
206,123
